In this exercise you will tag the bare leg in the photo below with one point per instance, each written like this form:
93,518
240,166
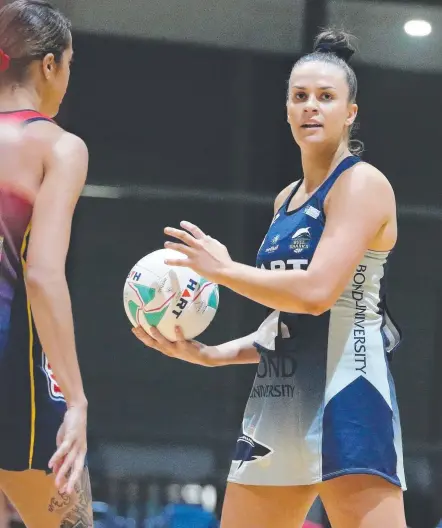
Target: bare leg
362,501
266,506
39,503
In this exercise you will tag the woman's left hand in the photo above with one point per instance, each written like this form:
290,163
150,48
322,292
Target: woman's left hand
205,255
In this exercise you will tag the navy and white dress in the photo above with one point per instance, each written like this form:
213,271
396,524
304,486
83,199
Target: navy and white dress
323,402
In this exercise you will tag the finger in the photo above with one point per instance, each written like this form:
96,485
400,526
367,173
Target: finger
62,475
185,250
140,332
154,344
57,467
144,337
180,263
60,453
159,338
179,334
185,237
163,345
77,471
152,335
192,228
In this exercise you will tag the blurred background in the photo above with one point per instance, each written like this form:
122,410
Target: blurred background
182,105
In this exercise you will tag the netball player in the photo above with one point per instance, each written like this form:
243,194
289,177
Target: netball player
322,416
43,407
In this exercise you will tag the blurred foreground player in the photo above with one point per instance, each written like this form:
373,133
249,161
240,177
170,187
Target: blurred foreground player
43,408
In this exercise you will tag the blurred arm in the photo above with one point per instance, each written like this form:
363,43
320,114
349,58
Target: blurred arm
64,177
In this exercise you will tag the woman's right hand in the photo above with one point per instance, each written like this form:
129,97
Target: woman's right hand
190,351
68,461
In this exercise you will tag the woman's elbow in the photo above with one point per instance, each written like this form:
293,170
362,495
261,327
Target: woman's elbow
38,278
319,309
318,302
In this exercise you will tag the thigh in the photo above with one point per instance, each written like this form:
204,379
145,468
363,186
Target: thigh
34,495
362,501
266,506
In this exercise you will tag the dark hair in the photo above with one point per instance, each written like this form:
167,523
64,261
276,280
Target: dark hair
29,30
335,47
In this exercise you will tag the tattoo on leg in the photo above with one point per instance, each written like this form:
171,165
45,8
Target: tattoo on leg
80,515
61,500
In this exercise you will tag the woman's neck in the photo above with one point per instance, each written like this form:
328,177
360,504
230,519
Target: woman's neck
18,98
317,166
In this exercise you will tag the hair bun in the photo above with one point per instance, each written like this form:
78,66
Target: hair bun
337,42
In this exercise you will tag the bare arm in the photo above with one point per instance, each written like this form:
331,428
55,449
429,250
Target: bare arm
360,206
65,173
237,352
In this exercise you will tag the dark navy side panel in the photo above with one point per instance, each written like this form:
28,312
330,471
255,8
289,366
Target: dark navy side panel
351,443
